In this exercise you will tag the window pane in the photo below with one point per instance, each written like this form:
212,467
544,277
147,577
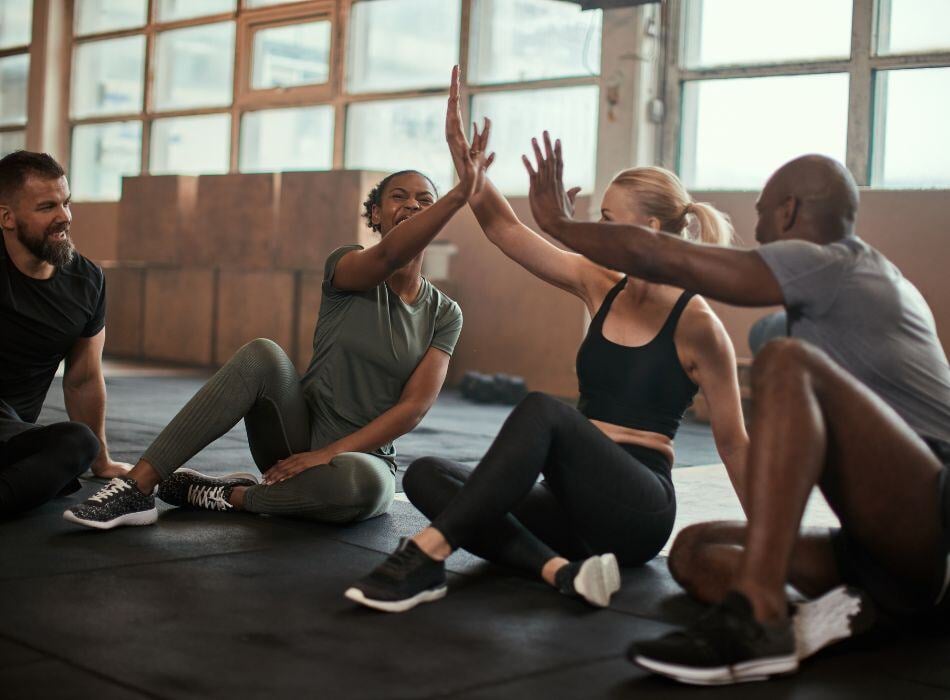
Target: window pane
733,137
399,135
16,22
273,140
265,3
11,141
194,67
514,40
912,144
569,114
14,74
102,154
402,44
724,32
171,10
191,145
910,26
93,16
297,54
108,77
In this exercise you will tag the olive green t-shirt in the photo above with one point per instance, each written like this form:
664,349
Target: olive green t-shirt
365,347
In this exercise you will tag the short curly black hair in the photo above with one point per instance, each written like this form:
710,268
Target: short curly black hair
375,196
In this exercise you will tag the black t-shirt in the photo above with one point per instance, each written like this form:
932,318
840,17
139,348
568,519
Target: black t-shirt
40,321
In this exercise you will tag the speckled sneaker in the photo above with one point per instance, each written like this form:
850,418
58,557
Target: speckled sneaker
117,503
187,488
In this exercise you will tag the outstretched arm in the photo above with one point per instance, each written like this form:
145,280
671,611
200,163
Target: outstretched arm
733,276
365,269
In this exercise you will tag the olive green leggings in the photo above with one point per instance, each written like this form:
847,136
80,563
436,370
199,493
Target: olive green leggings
261,385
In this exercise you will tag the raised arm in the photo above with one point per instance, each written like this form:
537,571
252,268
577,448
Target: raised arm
565,270
365,269
738,277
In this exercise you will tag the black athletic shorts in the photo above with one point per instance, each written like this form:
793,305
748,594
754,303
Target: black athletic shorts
859,568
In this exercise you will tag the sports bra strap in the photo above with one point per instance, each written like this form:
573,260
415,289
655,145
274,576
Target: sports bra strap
608,301
676,312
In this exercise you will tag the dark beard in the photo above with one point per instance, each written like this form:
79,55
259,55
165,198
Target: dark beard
56,253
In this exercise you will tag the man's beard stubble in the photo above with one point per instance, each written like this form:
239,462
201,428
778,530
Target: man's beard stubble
56,253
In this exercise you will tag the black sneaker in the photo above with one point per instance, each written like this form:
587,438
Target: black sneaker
727,645
407,577
841,613
594,579
117,503
188,488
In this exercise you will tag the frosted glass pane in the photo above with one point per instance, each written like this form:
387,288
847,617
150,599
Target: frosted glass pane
570,114
101,155
16,23
295,54
514,40
911,26
195,67
913,144
108,77
275,140
734,137
399,135
402,44
93,16
724,32
11,141
171,10
190,145
14,78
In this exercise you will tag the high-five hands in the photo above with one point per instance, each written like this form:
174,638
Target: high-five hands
471,160
550,204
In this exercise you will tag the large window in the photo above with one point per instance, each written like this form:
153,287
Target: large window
16,25
747,91
214,86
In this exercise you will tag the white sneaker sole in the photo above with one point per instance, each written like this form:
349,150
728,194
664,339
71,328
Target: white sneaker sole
748,671
142,517
840,613
396,606
598,579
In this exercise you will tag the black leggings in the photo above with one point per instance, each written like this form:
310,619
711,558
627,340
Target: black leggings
40,462
597,496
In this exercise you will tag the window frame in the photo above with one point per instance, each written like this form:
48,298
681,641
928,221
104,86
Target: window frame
333,93
864,128
20,50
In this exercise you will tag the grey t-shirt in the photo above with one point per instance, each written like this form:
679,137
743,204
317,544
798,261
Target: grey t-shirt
853,303
365,347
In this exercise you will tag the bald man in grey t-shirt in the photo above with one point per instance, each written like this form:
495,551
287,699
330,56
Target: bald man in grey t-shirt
856,403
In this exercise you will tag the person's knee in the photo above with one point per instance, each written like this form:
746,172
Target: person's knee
782,357
683,553
78,445
419,475
260,353
539,404
370,486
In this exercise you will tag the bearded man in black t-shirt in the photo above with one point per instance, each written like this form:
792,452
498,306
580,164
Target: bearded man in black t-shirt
52,308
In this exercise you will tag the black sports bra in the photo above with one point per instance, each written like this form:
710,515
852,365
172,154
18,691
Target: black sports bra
643,387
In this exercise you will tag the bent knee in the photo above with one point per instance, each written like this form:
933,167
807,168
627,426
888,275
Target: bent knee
537,403
369,485
78,442
683,553
262,352
785,355
420,473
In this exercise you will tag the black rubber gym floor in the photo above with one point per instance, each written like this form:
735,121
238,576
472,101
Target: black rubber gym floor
238,606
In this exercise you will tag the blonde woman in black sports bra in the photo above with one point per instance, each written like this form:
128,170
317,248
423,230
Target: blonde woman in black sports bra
607,495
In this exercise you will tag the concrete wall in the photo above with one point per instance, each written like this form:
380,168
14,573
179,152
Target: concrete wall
199,304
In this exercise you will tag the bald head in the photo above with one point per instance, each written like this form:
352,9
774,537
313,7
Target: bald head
815,198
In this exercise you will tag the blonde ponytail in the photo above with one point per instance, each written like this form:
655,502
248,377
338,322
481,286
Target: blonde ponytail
660,194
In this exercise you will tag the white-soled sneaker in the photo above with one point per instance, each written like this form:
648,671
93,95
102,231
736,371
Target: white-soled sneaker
595,579
840,613
187,488
117,503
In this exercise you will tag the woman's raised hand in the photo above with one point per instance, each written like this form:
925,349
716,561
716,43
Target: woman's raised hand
471,160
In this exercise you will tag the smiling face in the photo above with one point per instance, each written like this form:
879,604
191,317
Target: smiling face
403,197
40,215
621,205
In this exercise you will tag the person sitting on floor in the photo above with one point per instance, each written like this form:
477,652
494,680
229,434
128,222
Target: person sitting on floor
52,307
381,351
607,493
856,402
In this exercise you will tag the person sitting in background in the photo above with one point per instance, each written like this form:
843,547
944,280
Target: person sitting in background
52,308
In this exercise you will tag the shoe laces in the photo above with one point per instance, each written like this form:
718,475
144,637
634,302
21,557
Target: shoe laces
110,490
210,497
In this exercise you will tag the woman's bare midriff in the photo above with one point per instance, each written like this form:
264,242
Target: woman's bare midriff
631,436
